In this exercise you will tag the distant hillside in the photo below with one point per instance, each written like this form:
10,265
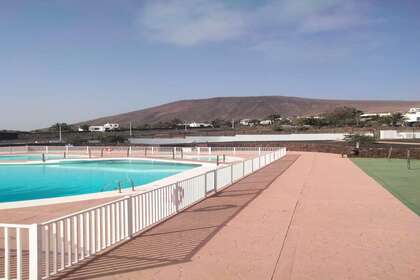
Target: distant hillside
247,107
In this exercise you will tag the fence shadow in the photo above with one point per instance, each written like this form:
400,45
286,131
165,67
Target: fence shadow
178,239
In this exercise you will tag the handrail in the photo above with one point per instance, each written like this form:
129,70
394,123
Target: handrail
27,226
83,211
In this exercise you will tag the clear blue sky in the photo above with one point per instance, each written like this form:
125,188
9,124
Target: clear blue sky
72,60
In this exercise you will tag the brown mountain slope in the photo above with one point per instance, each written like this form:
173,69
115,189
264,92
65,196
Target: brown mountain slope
247,107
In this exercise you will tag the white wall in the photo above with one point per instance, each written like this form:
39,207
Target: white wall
242,138
393,134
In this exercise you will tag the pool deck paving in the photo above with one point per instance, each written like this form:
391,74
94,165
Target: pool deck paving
323,218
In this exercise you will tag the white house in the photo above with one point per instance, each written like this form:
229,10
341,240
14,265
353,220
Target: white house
198,125
97,128
266,122
103,128
245,122
412,116
111,126
369,116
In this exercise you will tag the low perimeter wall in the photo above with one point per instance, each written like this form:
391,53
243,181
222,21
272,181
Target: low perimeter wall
394,134
371,151
241,138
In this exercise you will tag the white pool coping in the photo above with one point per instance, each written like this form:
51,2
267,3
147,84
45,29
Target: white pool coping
26,162
205,167
228,159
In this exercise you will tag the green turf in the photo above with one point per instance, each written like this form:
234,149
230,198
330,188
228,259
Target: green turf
394,176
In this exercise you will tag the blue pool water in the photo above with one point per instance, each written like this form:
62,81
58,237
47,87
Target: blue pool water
28,157
35,181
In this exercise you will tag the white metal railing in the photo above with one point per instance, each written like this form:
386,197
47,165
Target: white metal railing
97,151
61,243
19,245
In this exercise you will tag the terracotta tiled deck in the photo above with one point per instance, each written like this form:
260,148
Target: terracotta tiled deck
323,218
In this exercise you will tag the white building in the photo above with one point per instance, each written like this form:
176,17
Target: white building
394,134
198,125
103,128
245,122
412,116
266,122
111,126
97,128
369,116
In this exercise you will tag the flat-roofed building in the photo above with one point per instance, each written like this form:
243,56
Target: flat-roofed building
412,116
97,128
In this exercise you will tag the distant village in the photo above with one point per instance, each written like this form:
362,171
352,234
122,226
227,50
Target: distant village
383,125
409,119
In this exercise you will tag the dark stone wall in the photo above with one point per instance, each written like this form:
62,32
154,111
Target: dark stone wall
8,135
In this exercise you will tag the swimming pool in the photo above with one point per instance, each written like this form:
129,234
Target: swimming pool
65,178
29,157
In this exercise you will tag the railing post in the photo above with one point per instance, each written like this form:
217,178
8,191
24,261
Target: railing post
259,151
6,253
205,184
215,181
231,173
129,217
243,168
177,188
35,252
